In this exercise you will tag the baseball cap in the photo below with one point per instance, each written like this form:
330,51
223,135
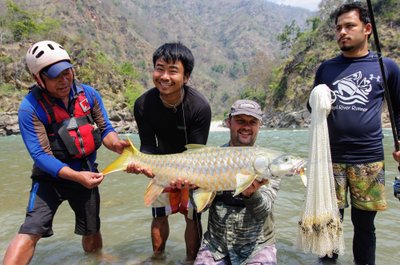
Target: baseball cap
55,69
247,107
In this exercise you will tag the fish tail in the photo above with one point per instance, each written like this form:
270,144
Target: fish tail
120,164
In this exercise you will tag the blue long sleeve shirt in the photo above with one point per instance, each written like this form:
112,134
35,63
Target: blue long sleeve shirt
33,120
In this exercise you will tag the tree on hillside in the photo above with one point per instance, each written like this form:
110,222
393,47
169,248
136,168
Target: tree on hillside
289,34
259,78
23,24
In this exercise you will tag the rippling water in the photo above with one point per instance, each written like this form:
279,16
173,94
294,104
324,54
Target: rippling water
126,221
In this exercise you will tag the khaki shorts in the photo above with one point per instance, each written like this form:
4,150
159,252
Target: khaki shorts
366,183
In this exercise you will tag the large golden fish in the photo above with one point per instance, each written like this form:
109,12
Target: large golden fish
211,169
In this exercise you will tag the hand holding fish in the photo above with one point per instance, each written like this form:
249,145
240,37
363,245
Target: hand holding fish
132,167
90,179
254,187
185,184
119,145
87,179
114,143
182,184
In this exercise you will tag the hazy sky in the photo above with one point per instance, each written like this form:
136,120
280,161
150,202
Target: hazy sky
308,4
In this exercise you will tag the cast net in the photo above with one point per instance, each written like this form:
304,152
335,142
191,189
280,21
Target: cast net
320,229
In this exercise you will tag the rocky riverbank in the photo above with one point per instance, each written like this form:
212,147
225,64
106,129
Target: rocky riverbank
9,123
123,121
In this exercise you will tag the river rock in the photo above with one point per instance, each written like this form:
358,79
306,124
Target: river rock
9,123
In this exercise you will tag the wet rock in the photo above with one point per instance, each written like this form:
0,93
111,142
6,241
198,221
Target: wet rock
9,123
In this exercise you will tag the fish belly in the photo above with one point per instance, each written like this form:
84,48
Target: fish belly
213,170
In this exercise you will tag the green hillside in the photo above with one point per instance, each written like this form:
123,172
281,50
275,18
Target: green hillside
111,43
243,48
287,97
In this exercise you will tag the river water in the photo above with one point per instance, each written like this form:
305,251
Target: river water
126,221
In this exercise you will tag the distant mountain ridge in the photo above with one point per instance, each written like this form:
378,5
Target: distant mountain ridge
226,36
234,42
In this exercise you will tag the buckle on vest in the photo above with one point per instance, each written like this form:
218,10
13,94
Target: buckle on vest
68,141
72,124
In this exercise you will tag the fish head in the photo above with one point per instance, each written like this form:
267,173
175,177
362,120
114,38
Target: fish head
262,160
261,164
286,165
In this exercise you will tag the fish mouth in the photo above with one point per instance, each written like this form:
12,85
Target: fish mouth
301,172
299,169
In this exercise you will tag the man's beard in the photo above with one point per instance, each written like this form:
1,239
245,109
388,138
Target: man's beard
346,48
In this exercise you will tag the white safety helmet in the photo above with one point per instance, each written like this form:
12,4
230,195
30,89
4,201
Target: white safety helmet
44,53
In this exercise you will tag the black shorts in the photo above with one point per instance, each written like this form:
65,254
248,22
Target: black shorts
47,196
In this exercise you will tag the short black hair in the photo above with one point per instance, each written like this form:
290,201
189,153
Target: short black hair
173,52
357,6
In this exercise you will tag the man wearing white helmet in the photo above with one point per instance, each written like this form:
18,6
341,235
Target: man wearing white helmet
62,124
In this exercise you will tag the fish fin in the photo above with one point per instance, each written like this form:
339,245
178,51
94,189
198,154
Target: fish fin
243,181
202,198
152,192
123,160
304,179
194,146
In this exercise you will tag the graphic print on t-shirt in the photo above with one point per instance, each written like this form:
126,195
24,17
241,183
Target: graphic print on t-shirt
354,89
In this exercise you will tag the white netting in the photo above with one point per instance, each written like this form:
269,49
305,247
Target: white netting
320,229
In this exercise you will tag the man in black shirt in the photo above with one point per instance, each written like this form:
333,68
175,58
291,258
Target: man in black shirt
170,116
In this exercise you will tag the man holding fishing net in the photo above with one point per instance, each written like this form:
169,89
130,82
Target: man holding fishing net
354,123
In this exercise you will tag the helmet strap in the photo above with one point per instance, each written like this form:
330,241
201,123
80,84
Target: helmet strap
39,80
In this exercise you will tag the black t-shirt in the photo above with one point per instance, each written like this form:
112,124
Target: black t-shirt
165,130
